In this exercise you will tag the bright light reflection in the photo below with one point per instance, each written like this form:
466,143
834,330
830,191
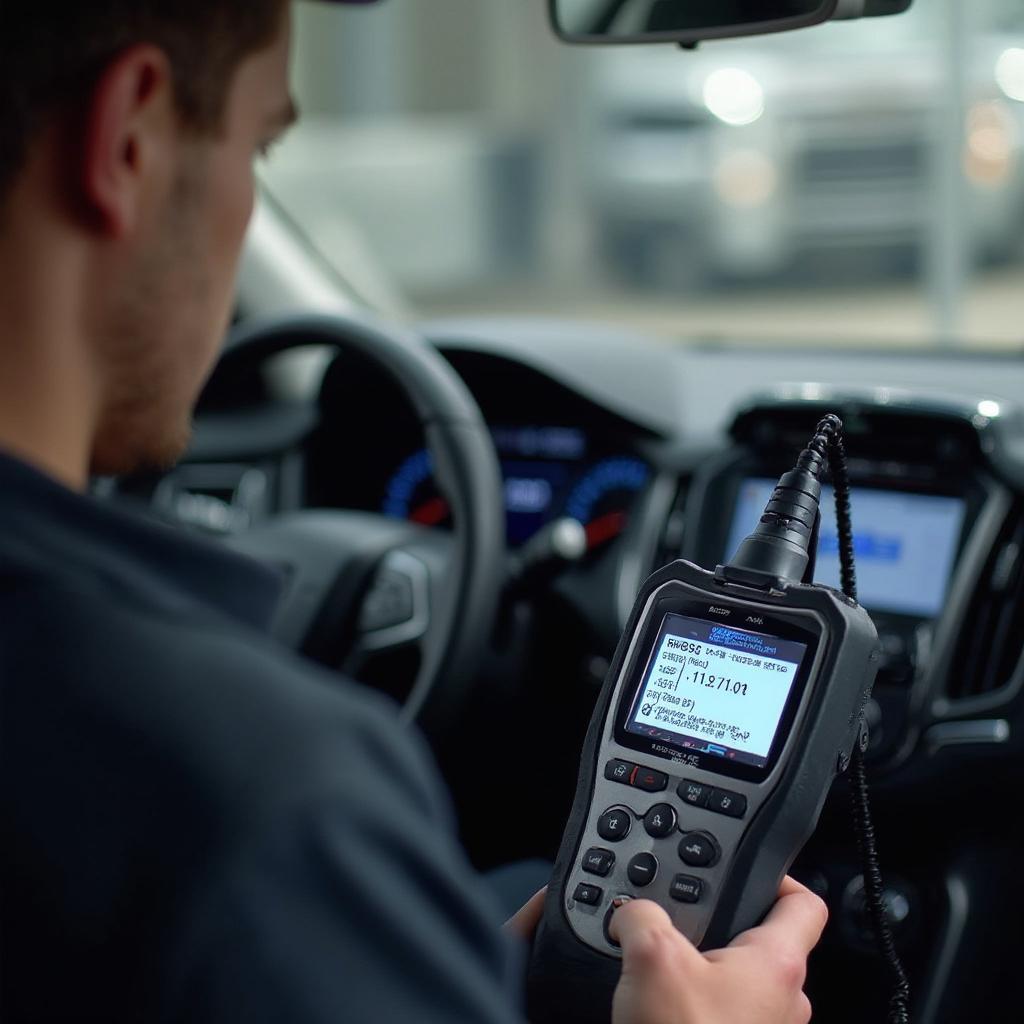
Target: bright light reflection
1010,73
734,96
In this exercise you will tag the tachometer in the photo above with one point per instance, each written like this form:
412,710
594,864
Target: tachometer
412,493
601,499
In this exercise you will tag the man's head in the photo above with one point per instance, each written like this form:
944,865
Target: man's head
126,150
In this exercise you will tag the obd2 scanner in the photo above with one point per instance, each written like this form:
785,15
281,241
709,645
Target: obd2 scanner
734,699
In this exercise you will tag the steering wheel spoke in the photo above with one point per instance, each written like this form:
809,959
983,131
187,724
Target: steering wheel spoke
396,608
411,587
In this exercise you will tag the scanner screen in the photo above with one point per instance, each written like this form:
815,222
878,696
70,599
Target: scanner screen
710,688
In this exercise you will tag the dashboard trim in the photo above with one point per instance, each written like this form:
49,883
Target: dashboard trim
948,627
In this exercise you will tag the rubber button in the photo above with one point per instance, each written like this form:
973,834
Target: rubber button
722,801
660,821
588,894
598,862
619,771
694,793
686,888
614,824
617,902
698,849
649,780
642,869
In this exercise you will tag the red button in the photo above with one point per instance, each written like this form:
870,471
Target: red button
649,780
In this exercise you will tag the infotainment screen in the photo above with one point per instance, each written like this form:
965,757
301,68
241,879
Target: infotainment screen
905,544
715,689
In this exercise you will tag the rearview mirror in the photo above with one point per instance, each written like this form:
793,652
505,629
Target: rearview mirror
690,21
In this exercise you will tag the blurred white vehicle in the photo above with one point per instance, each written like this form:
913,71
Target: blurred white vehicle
742,156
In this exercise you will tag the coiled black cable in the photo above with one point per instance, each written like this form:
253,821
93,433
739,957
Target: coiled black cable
828,443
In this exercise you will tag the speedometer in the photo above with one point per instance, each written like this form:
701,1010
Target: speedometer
602,498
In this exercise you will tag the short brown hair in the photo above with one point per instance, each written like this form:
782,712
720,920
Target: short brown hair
52,51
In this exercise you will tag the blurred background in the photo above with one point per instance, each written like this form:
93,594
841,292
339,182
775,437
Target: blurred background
856,183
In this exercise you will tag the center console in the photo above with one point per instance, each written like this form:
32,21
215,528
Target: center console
938,522
921,483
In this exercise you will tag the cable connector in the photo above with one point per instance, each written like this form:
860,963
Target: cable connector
782,545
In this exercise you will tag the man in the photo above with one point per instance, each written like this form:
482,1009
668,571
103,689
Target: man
196,825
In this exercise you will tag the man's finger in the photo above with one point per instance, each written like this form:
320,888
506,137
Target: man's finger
525,920
790,885
796,921
646,934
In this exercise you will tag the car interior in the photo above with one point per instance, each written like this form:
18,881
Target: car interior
519,322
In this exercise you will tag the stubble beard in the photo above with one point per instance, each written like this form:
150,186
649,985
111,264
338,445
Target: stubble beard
150,351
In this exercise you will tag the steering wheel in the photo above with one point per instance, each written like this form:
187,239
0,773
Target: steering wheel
359,583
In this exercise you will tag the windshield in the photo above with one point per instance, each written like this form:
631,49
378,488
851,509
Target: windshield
856,183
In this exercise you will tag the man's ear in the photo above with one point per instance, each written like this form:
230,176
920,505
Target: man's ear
127,147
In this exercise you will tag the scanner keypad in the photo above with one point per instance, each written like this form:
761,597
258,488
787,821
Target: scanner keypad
649,840
697,848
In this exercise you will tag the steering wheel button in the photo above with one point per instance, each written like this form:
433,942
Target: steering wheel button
660,821
686,889
588,894
390,602
642,869
698,849
614,824
619,771
597,861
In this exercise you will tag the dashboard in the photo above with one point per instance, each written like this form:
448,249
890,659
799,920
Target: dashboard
547,471
663,451
561,455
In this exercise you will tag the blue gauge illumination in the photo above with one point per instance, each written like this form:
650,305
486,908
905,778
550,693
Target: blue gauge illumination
599,500
415,471
622,473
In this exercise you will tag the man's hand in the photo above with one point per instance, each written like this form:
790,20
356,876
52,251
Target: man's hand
757,979
523,923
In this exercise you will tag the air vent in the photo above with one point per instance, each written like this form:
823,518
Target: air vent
992,638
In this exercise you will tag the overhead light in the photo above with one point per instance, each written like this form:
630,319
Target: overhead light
1010,73
988,408
734,96
745,178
